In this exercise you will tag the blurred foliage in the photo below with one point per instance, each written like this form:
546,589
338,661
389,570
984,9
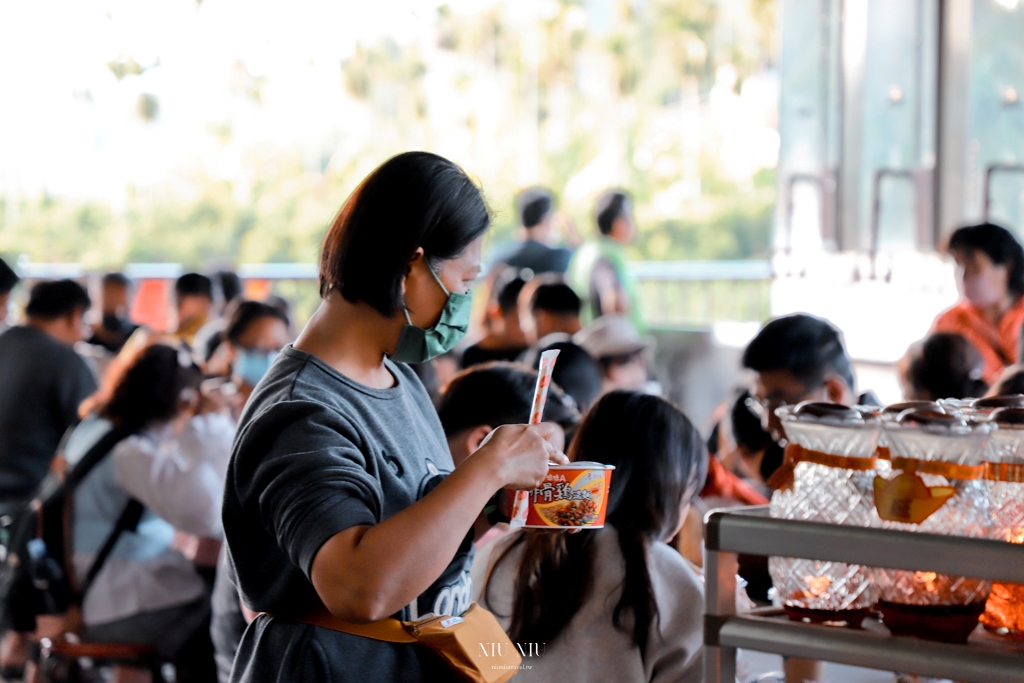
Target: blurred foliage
602,74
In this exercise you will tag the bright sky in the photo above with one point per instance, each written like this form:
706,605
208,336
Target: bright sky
68,125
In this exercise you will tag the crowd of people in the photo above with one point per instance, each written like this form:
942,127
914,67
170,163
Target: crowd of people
253,500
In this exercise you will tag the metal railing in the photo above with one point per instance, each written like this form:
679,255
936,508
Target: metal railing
752,531
675,294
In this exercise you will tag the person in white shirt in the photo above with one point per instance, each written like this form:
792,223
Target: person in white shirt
147,592
618,603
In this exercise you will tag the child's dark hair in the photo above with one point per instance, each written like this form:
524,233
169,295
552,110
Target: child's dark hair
660,462
499,393
946,365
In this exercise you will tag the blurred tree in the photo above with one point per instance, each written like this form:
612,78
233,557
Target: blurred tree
597,92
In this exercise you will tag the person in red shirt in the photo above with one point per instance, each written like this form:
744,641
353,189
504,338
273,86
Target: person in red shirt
990,277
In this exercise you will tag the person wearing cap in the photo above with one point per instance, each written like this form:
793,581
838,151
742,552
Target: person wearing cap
599,270
619,349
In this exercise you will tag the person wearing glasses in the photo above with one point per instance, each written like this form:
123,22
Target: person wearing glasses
795,358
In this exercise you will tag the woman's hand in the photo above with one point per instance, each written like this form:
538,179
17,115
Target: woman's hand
520,454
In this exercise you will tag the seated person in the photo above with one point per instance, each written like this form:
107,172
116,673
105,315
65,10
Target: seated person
484,397
505,339
553,316
942,365
114,328
620,351
611,604
255,334
148,593
990,278
576,372
739,440
796,358
193,298
555,309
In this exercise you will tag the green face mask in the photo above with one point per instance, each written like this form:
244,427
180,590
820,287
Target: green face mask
416,345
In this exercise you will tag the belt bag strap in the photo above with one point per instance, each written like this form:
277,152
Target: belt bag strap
388,630
474,645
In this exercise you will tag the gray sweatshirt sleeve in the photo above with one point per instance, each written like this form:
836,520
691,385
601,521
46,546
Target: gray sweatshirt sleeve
675,649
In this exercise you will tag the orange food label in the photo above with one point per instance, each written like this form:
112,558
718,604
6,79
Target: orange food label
906,498
570,498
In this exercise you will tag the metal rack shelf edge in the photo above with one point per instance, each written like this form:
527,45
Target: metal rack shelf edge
752,531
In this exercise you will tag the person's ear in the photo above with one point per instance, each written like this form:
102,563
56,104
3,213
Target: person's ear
417,255
476,437
837,390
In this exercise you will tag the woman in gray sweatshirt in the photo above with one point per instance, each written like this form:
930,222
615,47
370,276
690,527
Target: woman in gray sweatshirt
615,604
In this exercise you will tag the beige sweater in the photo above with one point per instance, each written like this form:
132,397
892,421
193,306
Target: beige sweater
591,648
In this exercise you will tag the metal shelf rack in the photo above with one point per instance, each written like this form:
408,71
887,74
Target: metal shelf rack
984,659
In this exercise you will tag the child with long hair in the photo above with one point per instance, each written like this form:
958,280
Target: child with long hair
615,604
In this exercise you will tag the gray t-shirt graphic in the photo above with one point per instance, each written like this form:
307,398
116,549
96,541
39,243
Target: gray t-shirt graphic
315,454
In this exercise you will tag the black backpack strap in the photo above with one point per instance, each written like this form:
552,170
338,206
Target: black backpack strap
128,521
94,456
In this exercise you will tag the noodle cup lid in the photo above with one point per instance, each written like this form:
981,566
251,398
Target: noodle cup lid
832,428
582,465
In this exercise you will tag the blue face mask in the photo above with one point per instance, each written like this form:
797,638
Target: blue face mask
250,366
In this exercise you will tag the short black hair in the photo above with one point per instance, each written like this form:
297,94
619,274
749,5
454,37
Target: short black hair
996,242
412,200
229,283
248,312
610,205
499,393
8,278
116,280
576,372
557,298
807,347
194,284
56,298
946,365
508,285
534,206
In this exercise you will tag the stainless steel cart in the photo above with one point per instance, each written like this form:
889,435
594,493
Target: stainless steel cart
984,659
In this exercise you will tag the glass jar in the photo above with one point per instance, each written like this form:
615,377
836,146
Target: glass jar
831,456
1004,611
933,483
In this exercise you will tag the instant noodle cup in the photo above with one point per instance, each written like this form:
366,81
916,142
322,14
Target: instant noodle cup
573,496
